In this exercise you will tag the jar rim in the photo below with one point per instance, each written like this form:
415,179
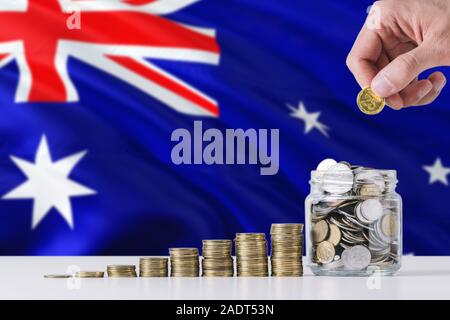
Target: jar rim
389,175
385,171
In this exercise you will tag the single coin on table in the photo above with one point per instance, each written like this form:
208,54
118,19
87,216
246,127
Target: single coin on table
57,276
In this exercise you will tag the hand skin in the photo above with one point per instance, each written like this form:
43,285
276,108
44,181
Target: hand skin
411,36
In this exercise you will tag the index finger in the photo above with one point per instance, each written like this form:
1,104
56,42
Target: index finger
364,55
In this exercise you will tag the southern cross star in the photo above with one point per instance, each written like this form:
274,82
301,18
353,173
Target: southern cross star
311,119
48,184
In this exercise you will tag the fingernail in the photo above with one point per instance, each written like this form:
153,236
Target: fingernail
382,86
441,86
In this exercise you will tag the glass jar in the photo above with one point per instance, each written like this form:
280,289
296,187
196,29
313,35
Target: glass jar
353,222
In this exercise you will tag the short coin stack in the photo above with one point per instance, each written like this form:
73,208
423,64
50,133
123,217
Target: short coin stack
153,267
90,274
184,262
251,255
217,259
121,271
287,249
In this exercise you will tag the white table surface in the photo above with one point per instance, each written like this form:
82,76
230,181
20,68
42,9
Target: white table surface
22,278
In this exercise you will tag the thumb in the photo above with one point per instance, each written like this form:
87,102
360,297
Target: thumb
401,71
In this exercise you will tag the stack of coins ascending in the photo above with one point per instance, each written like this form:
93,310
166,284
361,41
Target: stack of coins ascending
121,271
287,249
153,267
184,262
217,259
251,255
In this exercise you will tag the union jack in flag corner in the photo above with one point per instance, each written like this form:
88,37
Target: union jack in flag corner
91,91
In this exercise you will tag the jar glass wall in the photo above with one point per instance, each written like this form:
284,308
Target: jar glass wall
353,222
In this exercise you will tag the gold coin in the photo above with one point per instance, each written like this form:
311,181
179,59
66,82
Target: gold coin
320,231
334,235
370,103
389,225
325,252
369,190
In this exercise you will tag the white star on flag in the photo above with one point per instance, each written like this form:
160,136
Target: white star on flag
48,184
311,119
438,173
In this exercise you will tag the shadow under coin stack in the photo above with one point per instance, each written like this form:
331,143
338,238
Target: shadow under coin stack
121,271
184,262
287,249
217,260
251,255
153,267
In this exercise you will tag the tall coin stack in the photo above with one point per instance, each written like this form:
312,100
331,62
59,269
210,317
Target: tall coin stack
153,267
121,271
287,249
217,259
251,255
184,262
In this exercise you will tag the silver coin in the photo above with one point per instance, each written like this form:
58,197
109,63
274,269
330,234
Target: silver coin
380,252
348,223
353,237
367,176
372,209
326,164
357,258
378,235
322,208
341,225
338,179
387,226
345,253
346,203
359,215
355,222
369,210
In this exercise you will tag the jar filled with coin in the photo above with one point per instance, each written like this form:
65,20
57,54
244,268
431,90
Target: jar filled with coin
353,220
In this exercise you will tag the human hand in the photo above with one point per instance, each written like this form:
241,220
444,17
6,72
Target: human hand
412,36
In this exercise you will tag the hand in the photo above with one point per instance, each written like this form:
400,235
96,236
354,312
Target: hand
411,37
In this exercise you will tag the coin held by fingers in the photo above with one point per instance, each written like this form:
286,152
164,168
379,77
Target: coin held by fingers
369,102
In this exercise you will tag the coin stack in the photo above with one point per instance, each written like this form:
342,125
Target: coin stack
153,267
355,224
287,249
121,271
217,260
251,255
90,274
184,262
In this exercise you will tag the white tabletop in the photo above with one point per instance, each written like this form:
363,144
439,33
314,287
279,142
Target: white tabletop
22,278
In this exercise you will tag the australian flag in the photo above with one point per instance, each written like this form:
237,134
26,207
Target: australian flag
92,90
